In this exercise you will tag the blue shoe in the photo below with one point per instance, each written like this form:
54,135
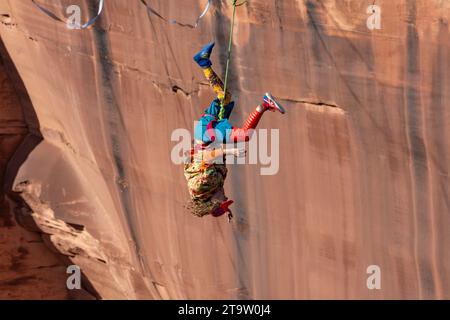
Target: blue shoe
271,104
202,58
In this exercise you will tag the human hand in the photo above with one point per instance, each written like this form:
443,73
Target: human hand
237,152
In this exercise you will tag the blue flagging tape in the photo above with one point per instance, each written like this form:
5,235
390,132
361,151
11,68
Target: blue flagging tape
195,25
55,17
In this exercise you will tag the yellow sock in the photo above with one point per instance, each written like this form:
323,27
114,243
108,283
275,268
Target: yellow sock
216,83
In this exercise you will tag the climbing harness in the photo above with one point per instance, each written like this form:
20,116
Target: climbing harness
192,26
55,17
230,46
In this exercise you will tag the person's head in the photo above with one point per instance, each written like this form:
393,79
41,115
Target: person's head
219,195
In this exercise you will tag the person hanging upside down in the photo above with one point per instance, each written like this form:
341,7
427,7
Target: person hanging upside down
205,168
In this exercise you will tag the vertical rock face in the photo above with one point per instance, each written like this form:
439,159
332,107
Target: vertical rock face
13,128
363,173
28,269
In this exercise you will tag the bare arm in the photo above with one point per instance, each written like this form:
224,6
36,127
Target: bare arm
211,155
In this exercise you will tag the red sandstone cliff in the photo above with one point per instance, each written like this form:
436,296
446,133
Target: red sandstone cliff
364,154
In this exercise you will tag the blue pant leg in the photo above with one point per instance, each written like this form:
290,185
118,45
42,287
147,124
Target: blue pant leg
201,128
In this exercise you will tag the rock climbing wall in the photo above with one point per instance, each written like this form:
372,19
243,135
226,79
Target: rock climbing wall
364,148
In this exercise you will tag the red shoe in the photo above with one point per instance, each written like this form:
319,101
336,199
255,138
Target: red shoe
271,104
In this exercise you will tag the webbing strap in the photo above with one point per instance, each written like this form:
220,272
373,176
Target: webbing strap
192,26
55,17
230,47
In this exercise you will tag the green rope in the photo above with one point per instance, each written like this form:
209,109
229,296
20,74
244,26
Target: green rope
230,46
